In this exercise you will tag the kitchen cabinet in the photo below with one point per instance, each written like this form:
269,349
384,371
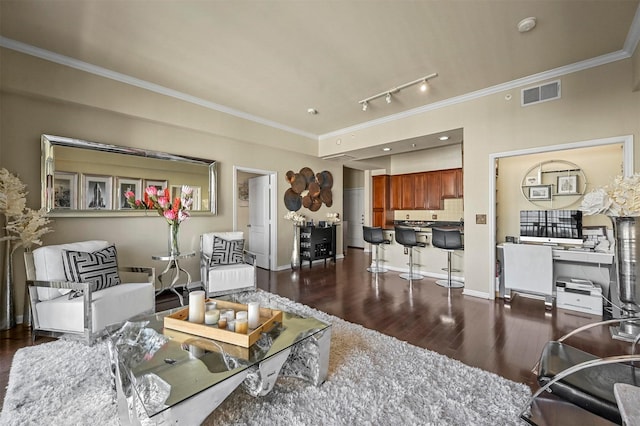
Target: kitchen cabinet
420,191
381,190
408,191
451,181
433,186
396,192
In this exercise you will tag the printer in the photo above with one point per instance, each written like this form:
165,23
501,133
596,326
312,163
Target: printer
579,295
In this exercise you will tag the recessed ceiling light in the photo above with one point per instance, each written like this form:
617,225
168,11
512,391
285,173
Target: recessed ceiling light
527,24
444,138
386,149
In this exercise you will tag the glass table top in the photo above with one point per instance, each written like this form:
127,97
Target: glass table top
165,366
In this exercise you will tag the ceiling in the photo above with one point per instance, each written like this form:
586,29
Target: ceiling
273,60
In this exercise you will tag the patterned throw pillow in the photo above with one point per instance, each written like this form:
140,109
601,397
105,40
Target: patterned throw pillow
227,252
100,267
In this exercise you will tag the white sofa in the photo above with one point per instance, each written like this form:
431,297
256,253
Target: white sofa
54,312
224,273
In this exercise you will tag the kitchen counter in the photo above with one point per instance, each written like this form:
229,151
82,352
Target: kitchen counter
420,224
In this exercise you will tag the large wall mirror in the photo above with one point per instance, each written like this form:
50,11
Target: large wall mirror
82,178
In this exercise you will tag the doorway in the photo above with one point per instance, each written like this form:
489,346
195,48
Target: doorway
354,216
254,213
627,169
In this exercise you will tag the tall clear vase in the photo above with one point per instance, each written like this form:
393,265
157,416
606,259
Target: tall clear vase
7,314
295,252
173,247
626,231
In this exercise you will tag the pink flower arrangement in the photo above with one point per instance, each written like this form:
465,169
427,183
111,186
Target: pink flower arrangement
160,200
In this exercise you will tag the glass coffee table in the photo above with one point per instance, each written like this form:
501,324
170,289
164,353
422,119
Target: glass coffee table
164,376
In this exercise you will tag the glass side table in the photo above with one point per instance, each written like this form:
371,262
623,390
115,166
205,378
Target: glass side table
173,272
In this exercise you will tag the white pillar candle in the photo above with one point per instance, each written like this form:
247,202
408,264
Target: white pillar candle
254,314
211,317
196,306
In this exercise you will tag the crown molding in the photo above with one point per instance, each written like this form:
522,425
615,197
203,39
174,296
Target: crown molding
633,36
127,79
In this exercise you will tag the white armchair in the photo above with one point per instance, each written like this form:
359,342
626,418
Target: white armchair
78,289
225,266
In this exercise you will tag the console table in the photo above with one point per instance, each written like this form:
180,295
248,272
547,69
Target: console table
317,243
175,270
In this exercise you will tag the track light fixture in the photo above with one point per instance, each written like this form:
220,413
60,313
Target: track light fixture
387,94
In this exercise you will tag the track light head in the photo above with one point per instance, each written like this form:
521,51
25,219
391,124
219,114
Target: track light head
387,94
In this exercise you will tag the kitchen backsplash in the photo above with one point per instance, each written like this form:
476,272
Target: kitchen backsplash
453,211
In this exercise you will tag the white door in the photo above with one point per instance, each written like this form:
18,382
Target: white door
354,215
259,219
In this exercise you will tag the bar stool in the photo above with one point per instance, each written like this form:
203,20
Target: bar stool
407,238
374,236
448,239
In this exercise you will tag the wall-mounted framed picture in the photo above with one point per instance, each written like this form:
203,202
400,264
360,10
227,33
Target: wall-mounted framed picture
65,190
567,184
159,184
176,192
540,192
97,192
124,184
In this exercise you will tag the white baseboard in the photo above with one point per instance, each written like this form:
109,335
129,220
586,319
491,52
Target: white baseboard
476,293
285,267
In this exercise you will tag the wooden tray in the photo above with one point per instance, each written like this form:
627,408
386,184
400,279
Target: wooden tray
268,318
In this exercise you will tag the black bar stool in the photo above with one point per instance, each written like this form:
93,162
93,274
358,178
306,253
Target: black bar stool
448,239
407,238
374,236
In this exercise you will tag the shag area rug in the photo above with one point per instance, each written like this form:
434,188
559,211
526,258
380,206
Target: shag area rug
373,380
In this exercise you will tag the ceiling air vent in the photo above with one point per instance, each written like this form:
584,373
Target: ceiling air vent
537,94
339,157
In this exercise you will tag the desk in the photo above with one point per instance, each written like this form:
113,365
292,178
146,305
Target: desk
598,268
173,268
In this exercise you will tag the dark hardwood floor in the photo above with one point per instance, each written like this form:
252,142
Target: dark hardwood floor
490,335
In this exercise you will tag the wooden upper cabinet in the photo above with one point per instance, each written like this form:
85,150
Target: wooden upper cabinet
451,183
408,192
420,191
433,186
380,189
396,192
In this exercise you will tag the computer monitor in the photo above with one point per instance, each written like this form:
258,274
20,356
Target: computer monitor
551,226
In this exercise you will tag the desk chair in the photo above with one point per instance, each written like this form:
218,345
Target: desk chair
448,239
374,236
407,238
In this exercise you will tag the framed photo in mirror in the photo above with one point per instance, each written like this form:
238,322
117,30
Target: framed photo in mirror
65,190
97,192
568,184
159,184
540,192
176,192
123,185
